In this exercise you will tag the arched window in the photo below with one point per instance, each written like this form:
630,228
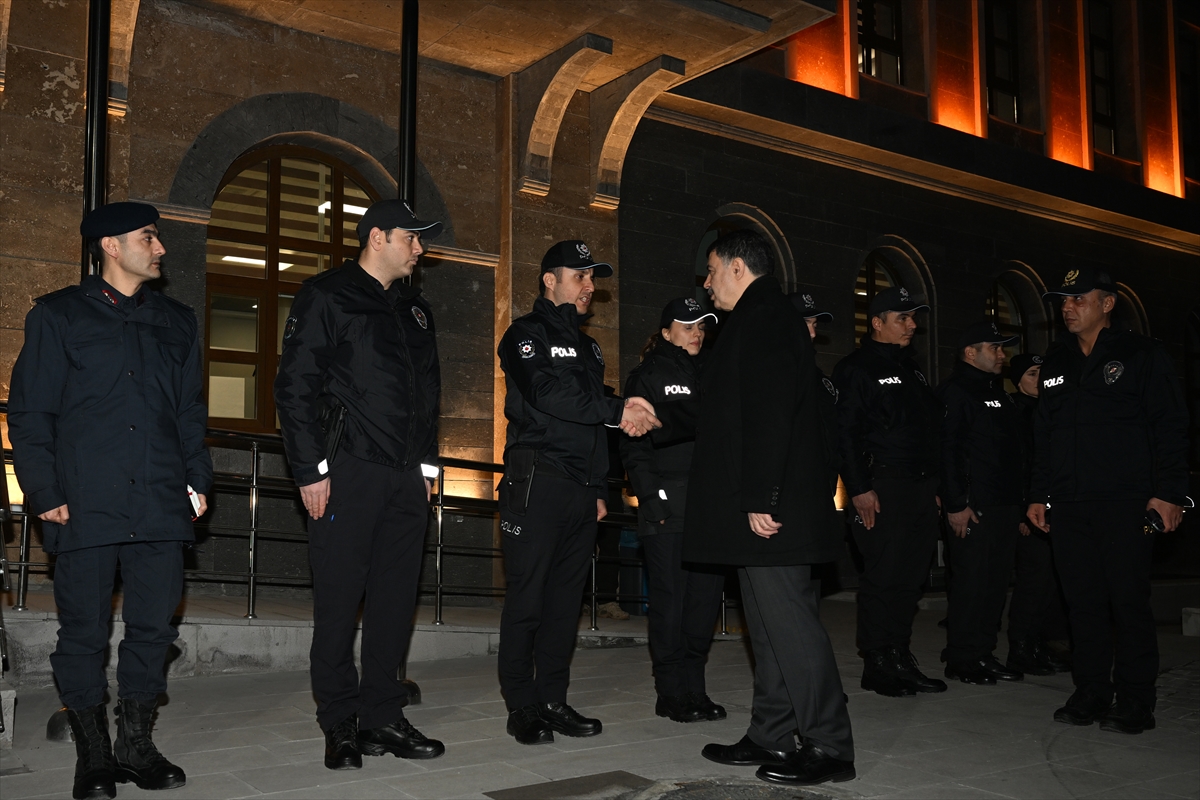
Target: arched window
282,214
741,216
877,274
1004,310
1128,314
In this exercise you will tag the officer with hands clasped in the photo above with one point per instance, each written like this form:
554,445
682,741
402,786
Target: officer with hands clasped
890,429
1111,458
982,492
684,600
357,394
107,424
553,491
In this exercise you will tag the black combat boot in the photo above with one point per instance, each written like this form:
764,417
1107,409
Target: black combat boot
95,771
904,665
138,760
880,676
1026,655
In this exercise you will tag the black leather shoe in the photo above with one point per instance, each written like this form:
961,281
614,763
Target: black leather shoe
1087,705
95,770
744,754
904,665
527,726
1027,656
880,677
678,708
993,667
808,767
567,721
707,708
137,758
1058,655
1127,715
400,739
969,672
341,745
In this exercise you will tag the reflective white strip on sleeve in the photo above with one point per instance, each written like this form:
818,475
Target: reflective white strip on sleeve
323,467
429,471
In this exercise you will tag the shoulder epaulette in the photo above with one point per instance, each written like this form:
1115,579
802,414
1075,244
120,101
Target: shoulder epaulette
66,290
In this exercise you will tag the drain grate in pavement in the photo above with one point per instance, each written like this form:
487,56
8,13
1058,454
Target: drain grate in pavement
602,786
722,789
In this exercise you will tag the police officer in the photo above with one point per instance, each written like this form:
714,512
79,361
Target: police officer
808,307
1036,613
1111,458
553,491
684,600
107,425
982,492
890,429
357,393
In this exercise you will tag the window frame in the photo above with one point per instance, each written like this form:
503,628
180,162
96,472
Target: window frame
267,290
1107,46
1012,44
870,41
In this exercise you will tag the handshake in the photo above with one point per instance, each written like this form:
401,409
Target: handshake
638,418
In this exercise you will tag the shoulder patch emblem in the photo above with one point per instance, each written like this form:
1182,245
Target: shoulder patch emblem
289,328
419,316
599,355
1112,371
526,349
829,387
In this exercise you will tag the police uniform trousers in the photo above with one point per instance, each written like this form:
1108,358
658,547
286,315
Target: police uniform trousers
1037,610
897,553
152,584
981,564
797,688
1104,558
547,558
368,545
684,603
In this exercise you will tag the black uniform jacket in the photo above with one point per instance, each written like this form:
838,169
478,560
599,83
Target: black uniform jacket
1111,426
555,403
983,441
375,352
1028,408
888,415
759,444
658,462
106,415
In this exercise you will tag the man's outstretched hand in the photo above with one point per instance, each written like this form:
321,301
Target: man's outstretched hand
638,418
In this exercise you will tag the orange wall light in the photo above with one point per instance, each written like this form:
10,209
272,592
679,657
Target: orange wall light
819,55
1067,138
1161,141
956,97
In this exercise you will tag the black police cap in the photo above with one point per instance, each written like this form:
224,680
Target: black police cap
1082,281
115,219
984,333
390,214
896,298
807,306
1022,363
683,309
574,254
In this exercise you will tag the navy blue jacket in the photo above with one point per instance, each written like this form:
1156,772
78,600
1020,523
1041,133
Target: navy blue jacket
106,415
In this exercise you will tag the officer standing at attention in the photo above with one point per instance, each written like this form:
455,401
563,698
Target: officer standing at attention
684,601
1111,457
554,489
357,393
107,424
760,497
982,491
890,433
1036,612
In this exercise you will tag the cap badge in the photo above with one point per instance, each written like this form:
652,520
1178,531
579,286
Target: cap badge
408,208
1037,359
583,250
903,293
289,328
526,349
1112,371
829,387
995,331
808,301
599,355
1069,280
419,316
692,305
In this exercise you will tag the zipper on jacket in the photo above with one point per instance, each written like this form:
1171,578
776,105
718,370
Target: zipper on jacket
412,411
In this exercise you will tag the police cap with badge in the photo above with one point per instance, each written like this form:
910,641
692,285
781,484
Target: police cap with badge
389,215
1083,280
983,333
574,254
1022,363
896,298
808,307
686,310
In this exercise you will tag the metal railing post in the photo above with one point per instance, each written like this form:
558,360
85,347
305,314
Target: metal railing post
23,569
724,627
252,580
437,592
592,605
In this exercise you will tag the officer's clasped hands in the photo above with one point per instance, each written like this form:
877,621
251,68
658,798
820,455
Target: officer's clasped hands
639,418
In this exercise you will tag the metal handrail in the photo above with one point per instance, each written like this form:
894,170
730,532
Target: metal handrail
256,485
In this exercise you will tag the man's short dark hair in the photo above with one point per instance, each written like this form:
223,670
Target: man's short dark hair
752,248
558,273
97,252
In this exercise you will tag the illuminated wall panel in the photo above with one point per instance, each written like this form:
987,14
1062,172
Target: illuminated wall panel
1160,145
1068,136
956,101
819,55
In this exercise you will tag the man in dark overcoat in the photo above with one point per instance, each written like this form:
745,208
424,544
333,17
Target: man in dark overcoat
107,424
760,497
